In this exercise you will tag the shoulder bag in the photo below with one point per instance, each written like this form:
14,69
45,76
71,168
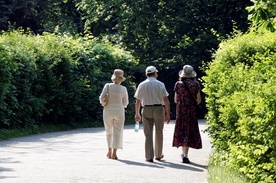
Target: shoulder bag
105,99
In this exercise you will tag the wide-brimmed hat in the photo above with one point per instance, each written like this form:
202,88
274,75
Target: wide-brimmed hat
187,72
151,69
118,75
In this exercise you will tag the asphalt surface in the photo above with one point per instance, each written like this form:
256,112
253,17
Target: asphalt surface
79,156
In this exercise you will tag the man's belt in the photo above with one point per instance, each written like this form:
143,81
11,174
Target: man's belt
153,105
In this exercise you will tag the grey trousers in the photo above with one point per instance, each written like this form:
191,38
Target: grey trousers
153,116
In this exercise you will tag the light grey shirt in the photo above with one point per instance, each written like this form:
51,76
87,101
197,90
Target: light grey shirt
151,91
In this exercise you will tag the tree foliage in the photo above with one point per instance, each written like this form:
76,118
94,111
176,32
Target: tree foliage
263,15
158,30
24,14
41,15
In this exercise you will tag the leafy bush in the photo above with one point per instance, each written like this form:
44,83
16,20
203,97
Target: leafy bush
241,89
56,78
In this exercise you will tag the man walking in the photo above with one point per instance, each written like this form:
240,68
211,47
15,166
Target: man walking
152,96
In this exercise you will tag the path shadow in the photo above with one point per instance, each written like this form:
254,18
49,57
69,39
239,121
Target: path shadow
199,165
6,170
192,166
3,169
7,177
162,164
49,135
135,163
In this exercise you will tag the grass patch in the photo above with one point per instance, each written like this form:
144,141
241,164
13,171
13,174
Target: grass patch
219,174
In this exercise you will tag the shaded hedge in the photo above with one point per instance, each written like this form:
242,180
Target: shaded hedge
56,78
241,100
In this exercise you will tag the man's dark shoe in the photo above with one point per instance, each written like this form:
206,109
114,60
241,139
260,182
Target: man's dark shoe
159,159
149,160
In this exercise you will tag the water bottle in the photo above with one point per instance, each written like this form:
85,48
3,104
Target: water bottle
136,126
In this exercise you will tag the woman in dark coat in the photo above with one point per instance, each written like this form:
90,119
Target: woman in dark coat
187,97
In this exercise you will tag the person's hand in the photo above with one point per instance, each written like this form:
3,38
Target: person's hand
167,118
137,117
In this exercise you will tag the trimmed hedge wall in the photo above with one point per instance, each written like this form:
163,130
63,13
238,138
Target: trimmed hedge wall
240,85
56,78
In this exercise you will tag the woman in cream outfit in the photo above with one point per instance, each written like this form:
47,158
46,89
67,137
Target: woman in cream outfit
114,112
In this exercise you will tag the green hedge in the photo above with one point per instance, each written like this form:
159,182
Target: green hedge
241,89
56,78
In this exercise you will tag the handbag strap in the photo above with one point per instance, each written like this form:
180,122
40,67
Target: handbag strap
190,93
107,88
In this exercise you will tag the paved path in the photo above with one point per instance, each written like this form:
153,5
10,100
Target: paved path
79,156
